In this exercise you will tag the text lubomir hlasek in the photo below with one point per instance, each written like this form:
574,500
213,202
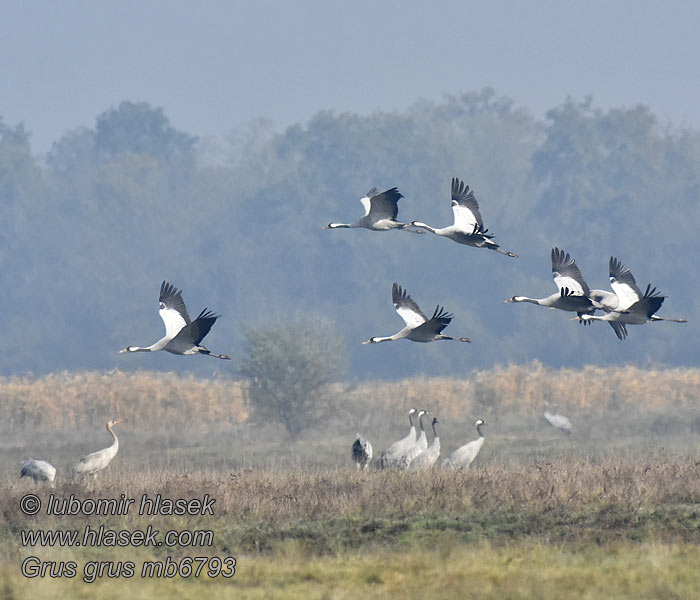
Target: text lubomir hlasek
156,505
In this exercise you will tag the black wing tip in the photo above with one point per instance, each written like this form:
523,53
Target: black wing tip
651,292
461,191
168,290
619,329
441,315
618,270
391,192
398,293
207,314
394,194
560,258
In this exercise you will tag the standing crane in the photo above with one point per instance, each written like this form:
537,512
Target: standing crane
418,447
427,459
391,455
38,470
557,420
465,455
97,461
468,227
362,452
182,335
418,327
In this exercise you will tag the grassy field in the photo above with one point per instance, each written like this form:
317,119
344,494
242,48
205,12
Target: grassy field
612,511
611,528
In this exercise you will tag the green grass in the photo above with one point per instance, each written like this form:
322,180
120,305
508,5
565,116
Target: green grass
522,570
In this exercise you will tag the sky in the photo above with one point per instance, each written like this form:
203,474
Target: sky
214,66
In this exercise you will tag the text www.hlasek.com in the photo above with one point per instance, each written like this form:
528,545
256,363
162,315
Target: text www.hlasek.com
103,536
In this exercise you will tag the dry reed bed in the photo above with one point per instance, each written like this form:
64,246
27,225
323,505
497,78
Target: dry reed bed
148,400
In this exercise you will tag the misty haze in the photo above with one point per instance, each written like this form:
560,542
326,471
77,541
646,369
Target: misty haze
553,455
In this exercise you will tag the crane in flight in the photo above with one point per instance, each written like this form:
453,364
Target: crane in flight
182,335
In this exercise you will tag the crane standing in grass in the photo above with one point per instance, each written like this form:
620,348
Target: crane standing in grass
362,452
418,447
391,455
427,459
465,455
38,470
557,420
97,461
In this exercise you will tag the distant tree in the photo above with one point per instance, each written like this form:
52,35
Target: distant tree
592,158
290,369
22,190
139,128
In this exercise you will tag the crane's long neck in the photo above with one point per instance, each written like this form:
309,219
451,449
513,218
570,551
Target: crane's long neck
435,433
412,428
115,443
678,320
500,250
478,430
539,301
427,228
447,337
341,225
390,338
610,316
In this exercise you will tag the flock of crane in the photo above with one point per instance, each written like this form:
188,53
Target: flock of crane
414,452
40,470
625,305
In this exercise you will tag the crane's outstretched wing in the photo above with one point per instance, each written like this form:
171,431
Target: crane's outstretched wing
567,275
195,331
408,310
619,329
440,319
172,309
650,302
623,284
382,205
465,208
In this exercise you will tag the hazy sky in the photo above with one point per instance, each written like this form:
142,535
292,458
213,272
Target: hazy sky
214,65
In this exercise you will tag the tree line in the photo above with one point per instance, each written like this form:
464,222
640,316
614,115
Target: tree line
89,231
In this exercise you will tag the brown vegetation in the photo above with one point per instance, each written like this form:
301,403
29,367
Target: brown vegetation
338,509
149,400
